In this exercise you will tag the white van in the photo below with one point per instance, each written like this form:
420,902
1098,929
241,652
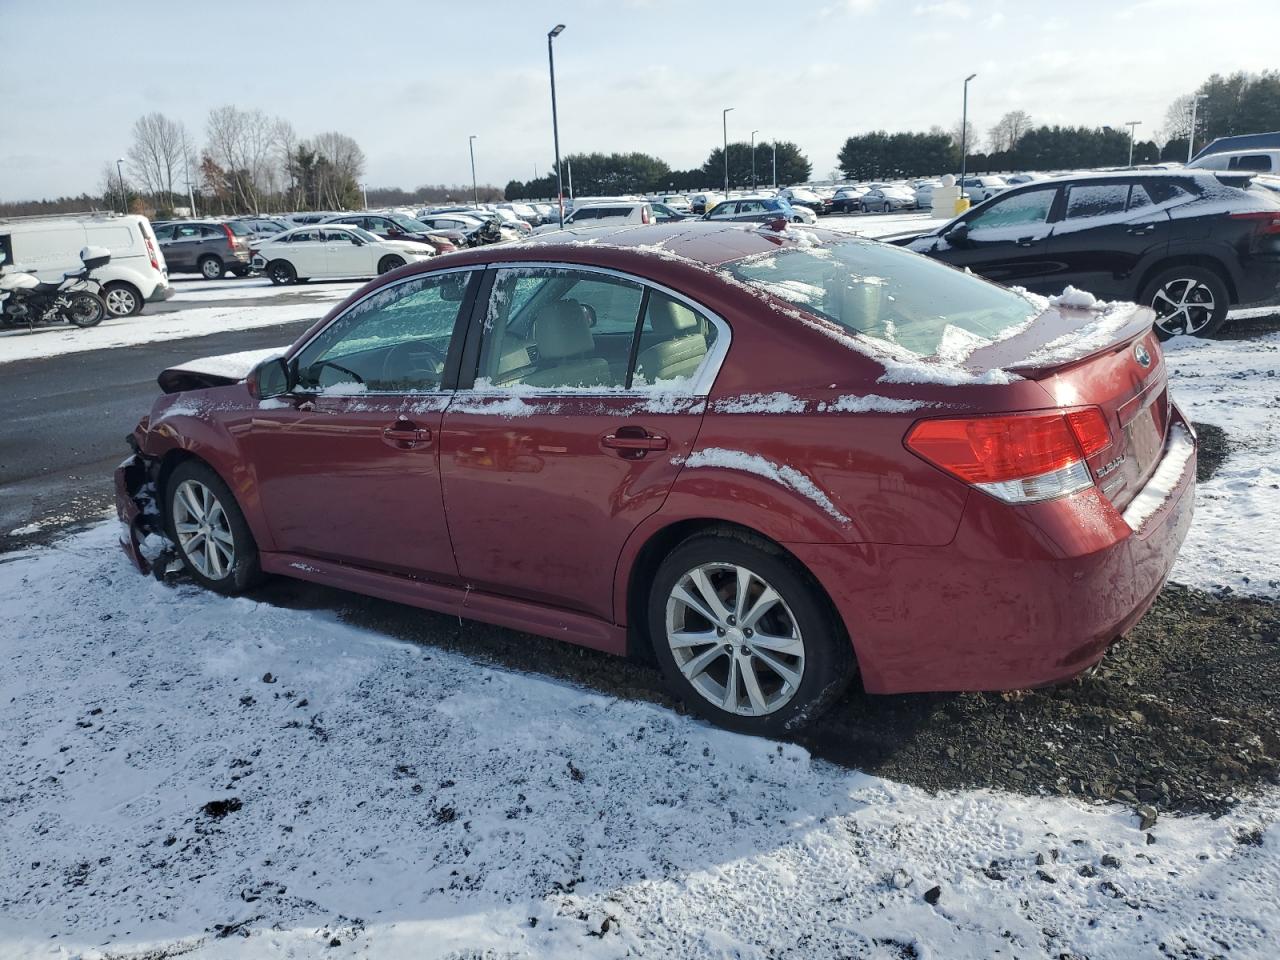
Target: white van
50,246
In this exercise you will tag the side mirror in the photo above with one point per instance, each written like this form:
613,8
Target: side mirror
959,232
273,377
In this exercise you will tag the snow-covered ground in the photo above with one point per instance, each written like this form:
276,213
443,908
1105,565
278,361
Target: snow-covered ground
1235,538
224,778
150,327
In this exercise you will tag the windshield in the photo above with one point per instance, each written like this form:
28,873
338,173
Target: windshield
362,233
885,292
408,224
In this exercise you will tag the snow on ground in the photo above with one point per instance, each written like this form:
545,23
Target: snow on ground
149,328
240,780
251,288
1233,384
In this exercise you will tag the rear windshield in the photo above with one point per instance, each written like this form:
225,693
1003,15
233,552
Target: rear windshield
882,291
238,229
408,223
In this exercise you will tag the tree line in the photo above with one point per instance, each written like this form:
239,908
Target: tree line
614,174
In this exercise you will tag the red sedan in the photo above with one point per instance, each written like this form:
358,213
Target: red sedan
771,458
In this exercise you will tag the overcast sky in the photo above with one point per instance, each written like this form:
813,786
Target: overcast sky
411,80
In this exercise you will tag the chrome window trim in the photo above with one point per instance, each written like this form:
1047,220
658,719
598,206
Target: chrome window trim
290,355
702,384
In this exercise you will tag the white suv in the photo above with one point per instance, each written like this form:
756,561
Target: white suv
50,246
616,213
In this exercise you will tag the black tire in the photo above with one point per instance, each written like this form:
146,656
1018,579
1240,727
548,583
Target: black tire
1187,300
211,268
85,309
242,570
390,262
122,299
826,662
281,272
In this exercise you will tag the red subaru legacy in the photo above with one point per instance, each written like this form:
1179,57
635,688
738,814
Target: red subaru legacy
771,458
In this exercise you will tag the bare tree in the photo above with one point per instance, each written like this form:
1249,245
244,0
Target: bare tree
340,166
156,156
1177,119
970,138
243,143
286,145
109,185
1009,130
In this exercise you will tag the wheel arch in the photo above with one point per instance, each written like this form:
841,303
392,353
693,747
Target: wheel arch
1205,261
642,560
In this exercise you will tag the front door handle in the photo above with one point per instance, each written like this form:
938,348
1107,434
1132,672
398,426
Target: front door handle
404,435
633,443
1027,241
1143,230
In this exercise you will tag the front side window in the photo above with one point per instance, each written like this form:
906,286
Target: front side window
1018,210
1095,200
724,210
395,341
338,236
885,292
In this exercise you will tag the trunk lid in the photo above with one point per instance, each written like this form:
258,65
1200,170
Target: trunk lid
1109,357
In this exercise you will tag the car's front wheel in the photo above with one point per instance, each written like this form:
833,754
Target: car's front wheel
389,263
744,637
1187,300
205,523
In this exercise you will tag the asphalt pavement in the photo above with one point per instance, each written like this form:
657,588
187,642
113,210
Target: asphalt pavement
65,418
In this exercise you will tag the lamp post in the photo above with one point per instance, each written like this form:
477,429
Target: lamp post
775,163
1191,137
555,123
724,119
364,194
475,191
964,130
753,160
186,165
568,170
124,198
1131,124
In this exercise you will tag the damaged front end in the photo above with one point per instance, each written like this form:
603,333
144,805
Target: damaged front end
138,506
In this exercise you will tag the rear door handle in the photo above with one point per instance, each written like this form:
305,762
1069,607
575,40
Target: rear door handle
633,442
1027,241
1144,229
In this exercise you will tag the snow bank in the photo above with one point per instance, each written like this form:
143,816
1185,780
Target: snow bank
1235,385
223,778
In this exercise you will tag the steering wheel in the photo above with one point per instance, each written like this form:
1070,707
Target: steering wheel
417,361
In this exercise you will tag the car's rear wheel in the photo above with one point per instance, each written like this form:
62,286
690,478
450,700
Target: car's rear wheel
281,272
389,263
122,299
211,268
205,523
1187,300
744,637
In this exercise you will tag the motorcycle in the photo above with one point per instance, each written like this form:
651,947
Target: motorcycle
76,298
493,231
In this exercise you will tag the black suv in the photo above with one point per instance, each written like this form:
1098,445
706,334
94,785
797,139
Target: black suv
1186,243
211,248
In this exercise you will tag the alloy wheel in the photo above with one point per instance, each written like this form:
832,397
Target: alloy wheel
735,639
203,530
120,302
211,269
1183,306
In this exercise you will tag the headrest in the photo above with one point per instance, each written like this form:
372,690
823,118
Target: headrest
671,319
563,329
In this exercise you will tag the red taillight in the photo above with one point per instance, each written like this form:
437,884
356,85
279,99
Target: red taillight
1017,457
644,214
151,250
1268,221
231,237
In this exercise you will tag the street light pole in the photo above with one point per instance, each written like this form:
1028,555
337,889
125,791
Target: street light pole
1191,137
775,163
568,170
186,165
475,191
753,160
964,130
1131,124
364,193
124,197
724,119
555,123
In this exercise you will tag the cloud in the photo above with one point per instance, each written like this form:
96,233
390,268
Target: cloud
951,9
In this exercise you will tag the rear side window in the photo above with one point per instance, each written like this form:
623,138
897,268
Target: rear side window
212,233
885,292
1096,200
1253,161
590,213
1163,191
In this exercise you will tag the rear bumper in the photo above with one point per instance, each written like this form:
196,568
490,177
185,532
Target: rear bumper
1022,597
163,291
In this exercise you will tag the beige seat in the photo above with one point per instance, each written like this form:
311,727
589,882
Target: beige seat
682,347
562,333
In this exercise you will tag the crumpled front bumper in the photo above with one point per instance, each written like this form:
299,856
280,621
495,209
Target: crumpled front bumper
136,507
